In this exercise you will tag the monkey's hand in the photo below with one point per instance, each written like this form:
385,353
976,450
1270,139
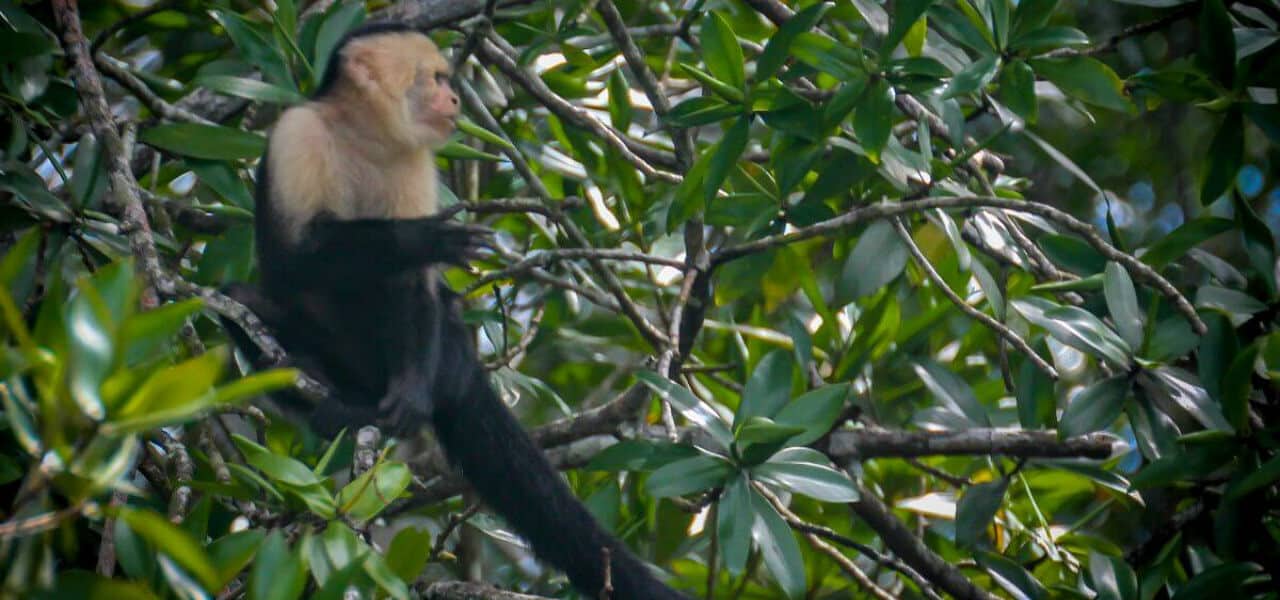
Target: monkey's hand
460,243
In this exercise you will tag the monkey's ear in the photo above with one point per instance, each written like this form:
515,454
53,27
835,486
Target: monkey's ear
361,66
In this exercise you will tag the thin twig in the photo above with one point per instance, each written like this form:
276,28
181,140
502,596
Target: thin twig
1001,329
1137,269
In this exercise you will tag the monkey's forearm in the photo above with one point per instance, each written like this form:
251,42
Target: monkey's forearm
362,250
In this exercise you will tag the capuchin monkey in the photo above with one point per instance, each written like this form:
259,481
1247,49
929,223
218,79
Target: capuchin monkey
350,246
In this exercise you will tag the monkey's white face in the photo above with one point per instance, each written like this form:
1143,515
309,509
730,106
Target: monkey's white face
405,79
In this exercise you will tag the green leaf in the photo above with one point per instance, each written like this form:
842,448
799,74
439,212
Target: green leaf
172,394
765,430
876,260
725,156
254,46
1171,387
233,552
721,52
701,111
1217,50
1011,576
815,411
91,348
975,510
1220,581
280,468
1049,38
1033,14
734,517
952,391
620,110
1238,305
409,552
278,573
905,15
974,77
1176,243
144,334
1256,479
1259,243
1087,79
341,19
470,128
250,89
796,473
719,87
378,570
826,55
1095,408
197,140
1037,404
18,45
1077,328
1122,303
689,406
639,455
1018,90
689,475
1237,382
456,150
175,543
1223,159
768,389
374,490
873,120
778,547
778,48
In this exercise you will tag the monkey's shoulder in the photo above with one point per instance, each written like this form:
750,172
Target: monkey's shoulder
305,171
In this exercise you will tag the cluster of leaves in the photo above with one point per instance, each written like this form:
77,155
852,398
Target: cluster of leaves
796,123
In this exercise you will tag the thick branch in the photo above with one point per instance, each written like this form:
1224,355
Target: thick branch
870,443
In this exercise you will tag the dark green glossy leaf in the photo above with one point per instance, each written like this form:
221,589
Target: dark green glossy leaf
726,154
1171,387
688,405
974,77
639,455
1049,38
213,142
1217,49
877,259
620,110
1077,328
769,387
701,111
721,52
873,120
975,510
1219,581
689,475
409,552
905,15
795,472
278,573
1187,236
1223,158
1087,79
1095,408
1037,404
1018,90
734,518
827,55
175,543
250,89
718,86
778,48
778,547
1122,303
1259,242
233,552
1012,577
815,411
1236,385
952,391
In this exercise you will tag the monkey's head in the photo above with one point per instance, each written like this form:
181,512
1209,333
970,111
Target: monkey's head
399,76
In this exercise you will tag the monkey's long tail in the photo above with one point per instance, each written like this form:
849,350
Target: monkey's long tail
510,472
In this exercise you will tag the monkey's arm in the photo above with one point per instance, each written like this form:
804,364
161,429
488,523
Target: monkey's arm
353,251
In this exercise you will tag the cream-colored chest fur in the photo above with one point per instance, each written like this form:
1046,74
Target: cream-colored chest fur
314,171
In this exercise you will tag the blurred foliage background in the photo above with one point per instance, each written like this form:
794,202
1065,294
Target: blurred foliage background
918,298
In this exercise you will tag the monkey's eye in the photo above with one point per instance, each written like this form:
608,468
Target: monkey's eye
442,77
